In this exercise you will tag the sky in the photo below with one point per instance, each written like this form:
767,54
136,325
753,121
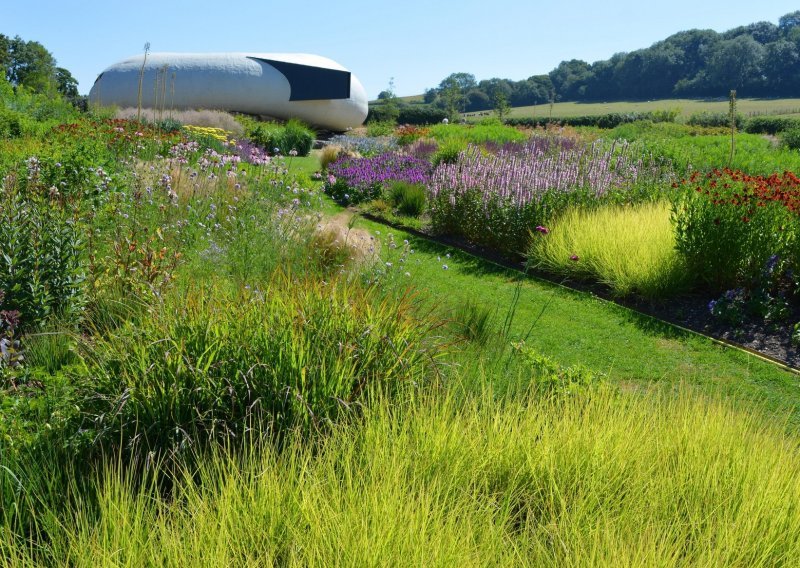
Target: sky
415,43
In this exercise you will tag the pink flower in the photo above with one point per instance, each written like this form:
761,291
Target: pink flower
543,230
574,258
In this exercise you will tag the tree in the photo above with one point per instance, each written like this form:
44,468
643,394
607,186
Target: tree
452,96
569,77
782,67
500,104
31,65
736,64
391,105
66,84
789,22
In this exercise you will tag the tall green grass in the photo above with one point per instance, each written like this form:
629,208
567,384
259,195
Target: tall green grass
599,479
631,249
210,363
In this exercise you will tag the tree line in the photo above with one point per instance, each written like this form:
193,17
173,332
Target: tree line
760,59
30,65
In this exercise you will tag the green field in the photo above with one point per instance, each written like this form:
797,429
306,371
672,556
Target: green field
748,107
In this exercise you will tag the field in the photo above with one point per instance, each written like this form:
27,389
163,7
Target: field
687,107
223,348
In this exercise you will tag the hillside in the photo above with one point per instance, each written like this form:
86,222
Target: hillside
761,59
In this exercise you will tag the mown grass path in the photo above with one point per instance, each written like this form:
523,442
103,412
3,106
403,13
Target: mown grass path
575,327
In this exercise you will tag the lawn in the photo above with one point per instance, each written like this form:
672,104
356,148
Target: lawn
687,107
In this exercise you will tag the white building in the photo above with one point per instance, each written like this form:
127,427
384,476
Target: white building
311,88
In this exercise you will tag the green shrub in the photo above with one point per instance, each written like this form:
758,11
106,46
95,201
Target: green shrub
769,124
294,135
790,138
11,123
610,120
419,115
382,128
42,247
711,119
729,224
448,152
409,198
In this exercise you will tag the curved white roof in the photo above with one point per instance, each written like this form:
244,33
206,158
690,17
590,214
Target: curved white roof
310,87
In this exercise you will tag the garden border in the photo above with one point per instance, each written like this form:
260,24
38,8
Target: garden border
497,260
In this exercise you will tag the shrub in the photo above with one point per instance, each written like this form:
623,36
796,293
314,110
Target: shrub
11,123
610,120
448,152
409,114
409,198
769,124
790,138
294,135
729,224
42,248
710,119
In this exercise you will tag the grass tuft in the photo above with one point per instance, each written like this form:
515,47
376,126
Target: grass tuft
631,249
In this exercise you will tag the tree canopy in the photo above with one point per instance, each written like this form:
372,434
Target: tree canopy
29,64
759,59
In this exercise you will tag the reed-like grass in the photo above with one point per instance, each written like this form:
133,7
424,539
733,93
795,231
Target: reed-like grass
631,249
599,479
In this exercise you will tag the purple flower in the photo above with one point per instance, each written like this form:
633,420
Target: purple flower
574,258
543,230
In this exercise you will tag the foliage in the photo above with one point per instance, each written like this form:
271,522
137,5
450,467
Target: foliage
40,266
729,224
631,249
366,146
712,119
354,180
489,131
448,152
757,60
495,478
790,137
384,128
769,124
610,120
494,200
409,198
210,364
293,136
408,134
409,114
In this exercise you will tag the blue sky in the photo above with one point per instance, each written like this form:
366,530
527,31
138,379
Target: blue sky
418,42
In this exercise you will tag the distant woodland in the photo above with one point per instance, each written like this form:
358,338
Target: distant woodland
760,59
